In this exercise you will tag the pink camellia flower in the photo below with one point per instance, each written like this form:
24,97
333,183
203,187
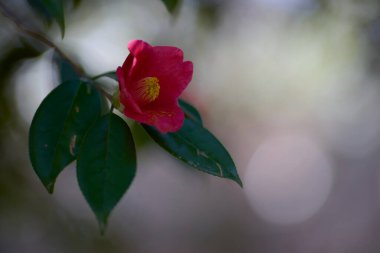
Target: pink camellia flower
150,82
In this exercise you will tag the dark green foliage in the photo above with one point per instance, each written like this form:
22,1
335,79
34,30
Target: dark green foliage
76,3
50,10
74,122
65,69
171,5
58,127
106,165
197,147
190,111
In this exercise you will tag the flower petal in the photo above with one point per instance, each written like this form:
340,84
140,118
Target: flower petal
168,53
165,65
138,47
125,97
166,118
169,118
170,122
175,80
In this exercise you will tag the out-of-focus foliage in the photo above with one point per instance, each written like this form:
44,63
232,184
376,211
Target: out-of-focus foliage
171,5
9,60
66,71
50,10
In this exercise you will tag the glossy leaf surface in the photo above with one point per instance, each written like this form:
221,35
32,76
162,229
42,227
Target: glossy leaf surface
190,111
58,127
106,165
197,147
65,69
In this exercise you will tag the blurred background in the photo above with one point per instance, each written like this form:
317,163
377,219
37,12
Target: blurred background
291,87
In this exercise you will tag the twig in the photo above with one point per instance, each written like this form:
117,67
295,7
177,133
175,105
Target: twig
41,38
37,36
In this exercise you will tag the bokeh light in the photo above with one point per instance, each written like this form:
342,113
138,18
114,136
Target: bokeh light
288,178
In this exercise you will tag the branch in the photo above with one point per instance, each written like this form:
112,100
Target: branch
37,36
41,38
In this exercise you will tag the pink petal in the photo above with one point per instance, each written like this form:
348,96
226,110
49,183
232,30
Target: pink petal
173,82
136,47
166,117
165,63
125,97
168,52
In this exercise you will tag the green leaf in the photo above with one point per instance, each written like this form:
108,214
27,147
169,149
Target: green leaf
171,5
50,10
76,3
106,165
190,111
66,70
197,147
58,127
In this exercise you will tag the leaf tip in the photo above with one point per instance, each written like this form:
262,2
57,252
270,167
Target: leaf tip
102,217
102,221
171,5
62,28
238,181
50,187
61,20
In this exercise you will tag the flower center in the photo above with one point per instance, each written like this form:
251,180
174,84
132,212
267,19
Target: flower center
148,89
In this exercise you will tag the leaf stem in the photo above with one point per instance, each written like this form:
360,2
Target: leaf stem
37,36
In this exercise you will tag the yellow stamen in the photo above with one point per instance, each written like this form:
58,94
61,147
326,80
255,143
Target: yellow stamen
148,89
